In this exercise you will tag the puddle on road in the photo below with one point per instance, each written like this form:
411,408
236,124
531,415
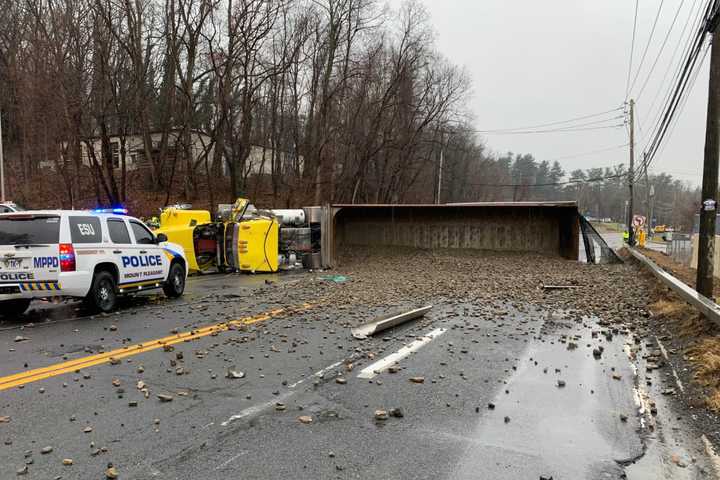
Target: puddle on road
571,432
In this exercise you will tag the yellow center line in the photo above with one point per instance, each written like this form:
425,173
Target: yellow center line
29,376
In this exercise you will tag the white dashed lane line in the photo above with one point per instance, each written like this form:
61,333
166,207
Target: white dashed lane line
383,364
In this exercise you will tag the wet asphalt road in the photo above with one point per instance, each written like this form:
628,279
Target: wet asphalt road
508,392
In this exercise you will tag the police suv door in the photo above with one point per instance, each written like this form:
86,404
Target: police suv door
148,259
122,248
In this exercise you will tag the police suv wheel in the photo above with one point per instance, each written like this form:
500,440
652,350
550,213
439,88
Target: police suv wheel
175,284
103,294
14,308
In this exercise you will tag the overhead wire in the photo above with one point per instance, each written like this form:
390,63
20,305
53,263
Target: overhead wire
589,153
647,45
552,124
553,130
632,51
687,69
684,101
553,184
675,96
694,44
662,48
694,23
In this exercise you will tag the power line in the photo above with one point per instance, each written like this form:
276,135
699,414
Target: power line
647,46
689,45
684,101
672,105
632,50
677,93
587,154
554,184
554,130
662,48
685,48
551,124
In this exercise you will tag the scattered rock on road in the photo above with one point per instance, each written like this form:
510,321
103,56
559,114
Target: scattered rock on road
111,473
381,415
234,374
396,412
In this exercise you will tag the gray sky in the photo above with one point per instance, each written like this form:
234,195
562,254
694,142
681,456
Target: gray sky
535,62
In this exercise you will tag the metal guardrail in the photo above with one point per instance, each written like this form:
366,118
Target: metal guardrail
706,306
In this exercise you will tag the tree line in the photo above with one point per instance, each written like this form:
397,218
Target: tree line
351,100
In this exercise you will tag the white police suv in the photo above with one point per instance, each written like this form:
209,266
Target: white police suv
95,255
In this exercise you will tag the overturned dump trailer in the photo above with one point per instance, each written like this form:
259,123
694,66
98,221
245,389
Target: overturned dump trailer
544,227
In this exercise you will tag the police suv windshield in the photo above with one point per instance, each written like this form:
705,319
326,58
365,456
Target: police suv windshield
29,229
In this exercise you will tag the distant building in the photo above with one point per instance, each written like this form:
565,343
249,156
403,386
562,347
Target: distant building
259,161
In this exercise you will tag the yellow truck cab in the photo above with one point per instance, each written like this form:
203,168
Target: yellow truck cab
246,243
179,227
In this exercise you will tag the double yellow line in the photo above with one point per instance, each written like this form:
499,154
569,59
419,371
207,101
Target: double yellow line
23,378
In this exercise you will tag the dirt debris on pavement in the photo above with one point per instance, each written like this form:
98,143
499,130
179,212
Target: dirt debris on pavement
382,279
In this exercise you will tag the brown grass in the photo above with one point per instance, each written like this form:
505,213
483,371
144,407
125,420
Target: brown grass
701,341
705,356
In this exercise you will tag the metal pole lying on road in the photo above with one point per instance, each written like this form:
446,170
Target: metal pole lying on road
386,322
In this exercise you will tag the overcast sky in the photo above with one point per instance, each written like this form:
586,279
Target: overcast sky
534,62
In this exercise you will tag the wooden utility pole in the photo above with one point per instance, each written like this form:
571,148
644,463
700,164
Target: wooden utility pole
708,211
631,174
2,166
440,167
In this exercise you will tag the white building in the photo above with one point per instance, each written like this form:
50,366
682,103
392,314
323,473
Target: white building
259,161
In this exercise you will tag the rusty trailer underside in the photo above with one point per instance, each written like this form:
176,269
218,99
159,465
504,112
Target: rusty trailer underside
543,227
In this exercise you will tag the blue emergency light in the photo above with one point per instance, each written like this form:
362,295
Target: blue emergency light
116,210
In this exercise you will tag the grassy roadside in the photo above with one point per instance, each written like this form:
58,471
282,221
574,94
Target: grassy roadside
611,227
696,338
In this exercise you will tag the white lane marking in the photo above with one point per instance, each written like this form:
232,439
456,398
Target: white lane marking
677,380
318,374
667,359
382,364
710,451
662,349
255,409
230,460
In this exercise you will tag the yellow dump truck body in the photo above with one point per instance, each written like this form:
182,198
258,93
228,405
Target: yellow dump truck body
179,226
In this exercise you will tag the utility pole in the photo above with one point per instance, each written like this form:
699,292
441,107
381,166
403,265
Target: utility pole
440,167
631,174
648,194
651,208
2,165
708,211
